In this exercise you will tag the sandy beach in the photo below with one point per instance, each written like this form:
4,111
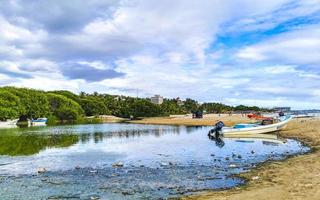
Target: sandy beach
297,177
207,120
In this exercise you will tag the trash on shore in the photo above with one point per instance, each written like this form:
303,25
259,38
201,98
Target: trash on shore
255,178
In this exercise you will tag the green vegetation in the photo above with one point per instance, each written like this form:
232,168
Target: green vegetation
66,106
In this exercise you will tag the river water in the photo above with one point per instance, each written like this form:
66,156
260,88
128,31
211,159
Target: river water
159,161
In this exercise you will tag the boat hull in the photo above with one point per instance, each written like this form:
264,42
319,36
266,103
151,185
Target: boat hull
9,124
256,130
38,123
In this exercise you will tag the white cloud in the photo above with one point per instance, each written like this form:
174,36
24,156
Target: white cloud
281,69
95,64
275,14
165,47
297,47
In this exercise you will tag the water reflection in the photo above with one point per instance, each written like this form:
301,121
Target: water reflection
22,145
159,161
266,139
23,142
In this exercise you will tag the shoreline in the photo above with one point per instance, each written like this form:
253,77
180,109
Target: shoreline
295,177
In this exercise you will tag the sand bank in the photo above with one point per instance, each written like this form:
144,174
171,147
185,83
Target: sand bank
207,120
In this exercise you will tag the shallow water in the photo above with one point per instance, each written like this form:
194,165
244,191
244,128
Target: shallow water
159,161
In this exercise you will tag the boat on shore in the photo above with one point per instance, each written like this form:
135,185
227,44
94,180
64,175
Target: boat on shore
9,123
39,122
255,128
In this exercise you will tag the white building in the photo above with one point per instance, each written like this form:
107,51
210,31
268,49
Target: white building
157,99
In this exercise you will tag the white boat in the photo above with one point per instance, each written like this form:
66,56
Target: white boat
244,129
39,122
9,123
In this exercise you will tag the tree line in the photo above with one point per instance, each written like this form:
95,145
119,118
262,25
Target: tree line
64,105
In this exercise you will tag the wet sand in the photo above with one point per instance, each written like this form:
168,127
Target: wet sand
295,178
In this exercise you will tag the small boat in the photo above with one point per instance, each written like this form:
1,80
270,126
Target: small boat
9,123
244,129
39,122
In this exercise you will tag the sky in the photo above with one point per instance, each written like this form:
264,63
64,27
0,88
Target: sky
251,52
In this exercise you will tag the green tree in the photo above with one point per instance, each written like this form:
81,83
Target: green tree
34,102
10,106
68,94
170,107
63,107
191,105
93,107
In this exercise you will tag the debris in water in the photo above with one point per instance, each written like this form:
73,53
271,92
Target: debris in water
232,166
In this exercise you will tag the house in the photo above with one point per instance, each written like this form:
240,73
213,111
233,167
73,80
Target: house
179,101
157,99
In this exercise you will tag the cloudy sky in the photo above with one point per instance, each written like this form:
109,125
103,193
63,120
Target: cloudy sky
252,52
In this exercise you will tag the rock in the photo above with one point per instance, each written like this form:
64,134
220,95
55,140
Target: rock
117,164
227,158
252,151
42,170
164,164
170,163
233,155
128,192
255,178
239,156
212,154
232,166
77,167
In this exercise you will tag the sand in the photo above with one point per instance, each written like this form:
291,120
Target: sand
209,120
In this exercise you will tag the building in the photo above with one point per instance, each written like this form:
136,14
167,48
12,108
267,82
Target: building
282,109
179,101
157,99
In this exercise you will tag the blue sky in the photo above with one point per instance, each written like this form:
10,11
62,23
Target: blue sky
264,53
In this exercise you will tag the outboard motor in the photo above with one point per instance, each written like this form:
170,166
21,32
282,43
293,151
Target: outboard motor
217,129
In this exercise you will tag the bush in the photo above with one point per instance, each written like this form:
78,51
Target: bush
64,108
93,107
8,113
